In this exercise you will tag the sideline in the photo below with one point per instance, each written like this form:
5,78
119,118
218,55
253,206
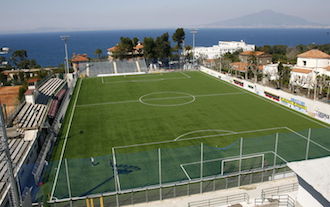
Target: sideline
269,101
65,141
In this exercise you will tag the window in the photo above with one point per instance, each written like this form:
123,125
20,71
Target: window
305,62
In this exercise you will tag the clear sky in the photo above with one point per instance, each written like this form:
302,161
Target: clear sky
26,15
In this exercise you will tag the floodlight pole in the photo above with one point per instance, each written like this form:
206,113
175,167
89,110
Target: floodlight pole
194,32
65,38
13,198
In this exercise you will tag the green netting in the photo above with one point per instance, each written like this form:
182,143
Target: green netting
291,146
61,190
87,176
138,167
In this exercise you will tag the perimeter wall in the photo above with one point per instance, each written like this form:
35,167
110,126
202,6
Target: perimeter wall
315,109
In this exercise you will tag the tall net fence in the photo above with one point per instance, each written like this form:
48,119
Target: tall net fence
140,173
93,69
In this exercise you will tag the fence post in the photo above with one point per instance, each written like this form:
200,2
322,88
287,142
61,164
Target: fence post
101,202
115,175
201,176
308,141
275,155
240,161
160,174
68,180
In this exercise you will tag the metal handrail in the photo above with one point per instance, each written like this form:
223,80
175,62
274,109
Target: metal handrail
279,189
220,200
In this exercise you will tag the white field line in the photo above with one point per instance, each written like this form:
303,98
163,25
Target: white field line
202,130
185,172
306,138
152,99
188,76
150,80
172,141
230,133
65,141
269,101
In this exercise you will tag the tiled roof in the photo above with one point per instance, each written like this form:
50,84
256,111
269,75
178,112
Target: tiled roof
255,53
239,66
80,58
113,49
29,92
300,70
33,80
138,47
314,54
242,66
327,68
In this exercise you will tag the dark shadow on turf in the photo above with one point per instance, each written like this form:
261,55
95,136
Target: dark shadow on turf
122,169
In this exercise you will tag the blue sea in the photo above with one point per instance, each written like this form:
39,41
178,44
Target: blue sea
48,48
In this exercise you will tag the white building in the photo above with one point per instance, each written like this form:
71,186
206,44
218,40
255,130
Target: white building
309,65
271,70
222,48
314,182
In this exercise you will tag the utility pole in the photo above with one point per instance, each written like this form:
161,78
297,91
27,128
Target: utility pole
4,148
65,38
194,32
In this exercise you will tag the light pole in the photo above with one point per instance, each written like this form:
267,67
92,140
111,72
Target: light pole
65,38
194,32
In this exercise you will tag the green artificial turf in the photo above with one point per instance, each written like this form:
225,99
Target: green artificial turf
129,110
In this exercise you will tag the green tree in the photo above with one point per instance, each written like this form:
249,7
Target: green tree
135,41
125,48
18,56
163,46
178,37
149,48
284,74
98,52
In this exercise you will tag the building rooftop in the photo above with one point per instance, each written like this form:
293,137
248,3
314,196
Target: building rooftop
254,53
315,172
80,58
33,80
314,54
301,70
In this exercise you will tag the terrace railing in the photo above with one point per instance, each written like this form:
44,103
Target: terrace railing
224,200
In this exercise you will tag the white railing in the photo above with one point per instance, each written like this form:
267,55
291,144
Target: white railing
279,190
231,199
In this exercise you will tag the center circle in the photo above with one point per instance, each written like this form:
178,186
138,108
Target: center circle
170,95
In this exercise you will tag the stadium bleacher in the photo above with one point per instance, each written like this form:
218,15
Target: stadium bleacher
117,67
31,116
50,87
18,148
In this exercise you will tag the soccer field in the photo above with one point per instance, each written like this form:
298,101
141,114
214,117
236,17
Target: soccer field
136,127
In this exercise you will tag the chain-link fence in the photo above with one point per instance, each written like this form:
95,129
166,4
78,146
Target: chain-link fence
140,173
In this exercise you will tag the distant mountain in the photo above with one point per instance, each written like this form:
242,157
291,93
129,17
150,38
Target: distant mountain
265,19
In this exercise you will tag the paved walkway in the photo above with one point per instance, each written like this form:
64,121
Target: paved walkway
254,191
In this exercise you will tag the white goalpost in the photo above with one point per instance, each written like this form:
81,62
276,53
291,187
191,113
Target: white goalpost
240,159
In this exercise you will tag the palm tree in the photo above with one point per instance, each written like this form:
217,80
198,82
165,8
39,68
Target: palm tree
98,52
